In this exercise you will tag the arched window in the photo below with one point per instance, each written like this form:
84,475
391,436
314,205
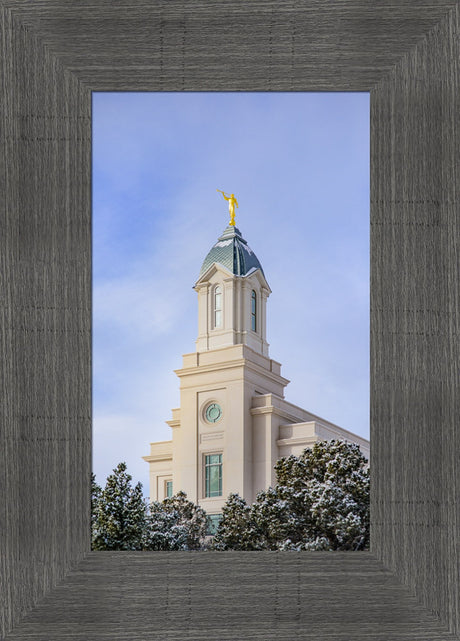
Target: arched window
217,307
254,311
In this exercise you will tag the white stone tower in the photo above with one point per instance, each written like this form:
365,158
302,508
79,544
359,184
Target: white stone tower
212,449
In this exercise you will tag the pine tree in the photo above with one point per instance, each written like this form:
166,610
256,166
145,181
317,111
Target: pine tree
236,529
120,516
175,524
328,490
320,502
96,491
271,518
192,516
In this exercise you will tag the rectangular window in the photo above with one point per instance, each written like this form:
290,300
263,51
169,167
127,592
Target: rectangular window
217,307
213,523
213,475
253,312
168,489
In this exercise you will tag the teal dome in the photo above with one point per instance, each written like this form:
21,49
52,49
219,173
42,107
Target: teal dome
233,252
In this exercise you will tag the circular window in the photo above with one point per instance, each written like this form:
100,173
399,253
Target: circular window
213,412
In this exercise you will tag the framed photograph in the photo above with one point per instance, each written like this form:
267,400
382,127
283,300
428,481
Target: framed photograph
54,56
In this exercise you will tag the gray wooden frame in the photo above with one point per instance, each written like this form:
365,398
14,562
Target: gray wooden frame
53,55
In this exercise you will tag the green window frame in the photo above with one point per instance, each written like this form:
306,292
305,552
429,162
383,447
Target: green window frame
212,475
168,489
213,524
253,311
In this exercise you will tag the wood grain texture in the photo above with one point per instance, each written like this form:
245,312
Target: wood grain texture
53,54
415,319
45,308
230,596
221,45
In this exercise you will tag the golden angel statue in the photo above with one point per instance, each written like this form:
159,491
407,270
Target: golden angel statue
232,201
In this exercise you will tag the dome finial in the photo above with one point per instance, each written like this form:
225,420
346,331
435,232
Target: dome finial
232,201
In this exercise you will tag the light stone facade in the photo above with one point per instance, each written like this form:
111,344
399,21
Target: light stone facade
232,393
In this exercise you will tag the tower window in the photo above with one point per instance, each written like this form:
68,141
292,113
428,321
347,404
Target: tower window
168,489
217,307
253,311
213,475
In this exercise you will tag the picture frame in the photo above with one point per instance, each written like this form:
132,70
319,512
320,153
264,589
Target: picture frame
53,57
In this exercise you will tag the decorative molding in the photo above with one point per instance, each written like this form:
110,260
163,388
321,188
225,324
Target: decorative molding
212,436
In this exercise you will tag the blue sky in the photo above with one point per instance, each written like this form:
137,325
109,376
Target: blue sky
299,166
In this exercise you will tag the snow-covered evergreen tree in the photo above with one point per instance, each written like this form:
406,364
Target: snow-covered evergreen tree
236,530
122,520
119,518
96,491
320,502
164,530
175,524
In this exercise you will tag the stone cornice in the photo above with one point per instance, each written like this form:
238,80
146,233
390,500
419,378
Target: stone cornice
261,370
233,364
271,409
173,423
198,369
155,458
306,440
